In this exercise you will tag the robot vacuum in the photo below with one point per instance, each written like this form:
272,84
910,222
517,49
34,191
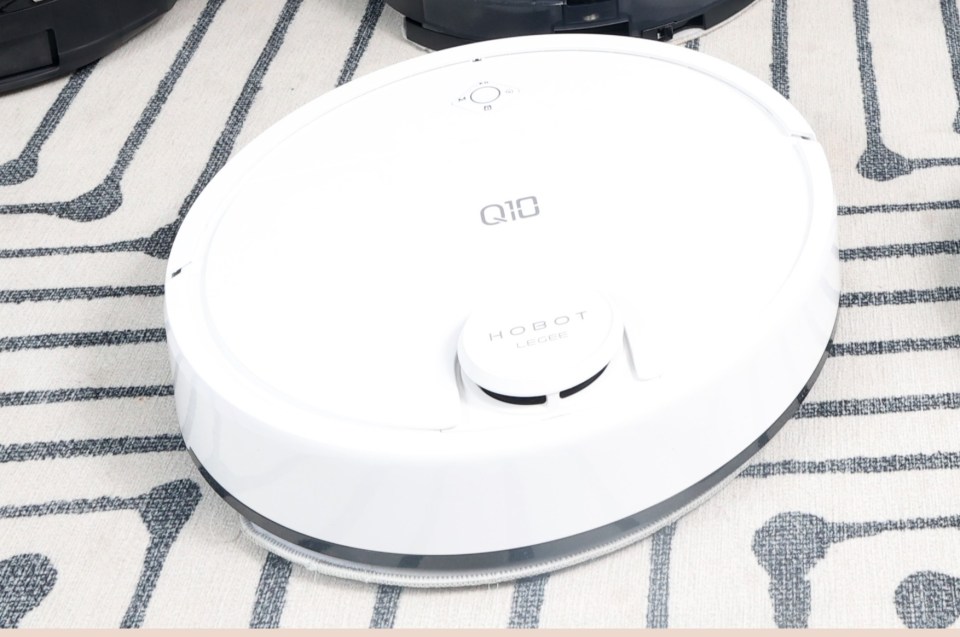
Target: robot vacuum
438,24
43,39
501,309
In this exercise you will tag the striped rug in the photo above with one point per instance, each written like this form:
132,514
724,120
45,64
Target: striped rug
849,517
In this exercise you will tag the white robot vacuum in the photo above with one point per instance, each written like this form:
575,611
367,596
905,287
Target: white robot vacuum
501,309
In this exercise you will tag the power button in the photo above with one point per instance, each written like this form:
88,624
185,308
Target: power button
485,95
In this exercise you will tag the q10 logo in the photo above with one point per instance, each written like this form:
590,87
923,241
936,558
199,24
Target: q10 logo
522,208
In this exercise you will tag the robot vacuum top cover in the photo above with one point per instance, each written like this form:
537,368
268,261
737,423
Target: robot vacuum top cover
503,308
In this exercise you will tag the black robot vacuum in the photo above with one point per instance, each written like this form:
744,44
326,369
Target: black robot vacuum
440,24
43,39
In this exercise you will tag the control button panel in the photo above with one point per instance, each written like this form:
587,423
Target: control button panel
486,96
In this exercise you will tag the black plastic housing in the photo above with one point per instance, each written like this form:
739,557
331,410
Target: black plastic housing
43,39
440,24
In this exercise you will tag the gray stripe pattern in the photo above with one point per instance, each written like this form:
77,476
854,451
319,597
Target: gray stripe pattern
106,198
780,66
871,348
385,607
25,581
164,510
790,544
876,406
878,162
24,166
884,464
75,294
134,245
368,23
60,449
928,599
66,507
82,339
271,592
899,297
897,250
159,243
951,25
883,208
81,394
658,596
527,602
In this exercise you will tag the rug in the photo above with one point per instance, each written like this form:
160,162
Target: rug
848,518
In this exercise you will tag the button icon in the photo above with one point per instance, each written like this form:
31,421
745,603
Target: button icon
482,96
485,94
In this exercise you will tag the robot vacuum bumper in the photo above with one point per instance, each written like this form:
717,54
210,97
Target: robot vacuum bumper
448,571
